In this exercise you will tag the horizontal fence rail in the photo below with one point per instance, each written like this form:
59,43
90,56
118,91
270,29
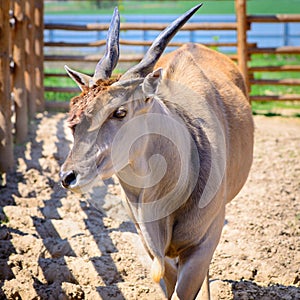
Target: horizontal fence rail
279,50
274,18
285,68
132,43
288,82
143,27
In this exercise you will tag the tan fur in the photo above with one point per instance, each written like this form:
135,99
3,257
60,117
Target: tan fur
226,77
79,104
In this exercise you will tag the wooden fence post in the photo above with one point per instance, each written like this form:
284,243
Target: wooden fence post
6,146
39,51
19,87
242,49
11,40
30,58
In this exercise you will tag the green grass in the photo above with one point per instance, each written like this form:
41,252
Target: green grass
60,82
276,108
170,7
59,96
275,60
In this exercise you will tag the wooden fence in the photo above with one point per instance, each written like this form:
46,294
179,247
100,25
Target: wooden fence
21,72
288,50
243,57
21,53
124,58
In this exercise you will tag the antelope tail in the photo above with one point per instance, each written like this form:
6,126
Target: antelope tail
157,269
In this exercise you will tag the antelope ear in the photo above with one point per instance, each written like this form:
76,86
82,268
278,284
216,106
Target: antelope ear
82,80
151,82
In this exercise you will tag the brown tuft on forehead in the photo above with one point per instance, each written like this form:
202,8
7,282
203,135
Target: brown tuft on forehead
78,104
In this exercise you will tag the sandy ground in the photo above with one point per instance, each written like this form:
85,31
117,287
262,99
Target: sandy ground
59,245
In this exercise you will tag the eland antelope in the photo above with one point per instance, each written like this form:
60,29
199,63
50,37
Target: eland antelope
177,131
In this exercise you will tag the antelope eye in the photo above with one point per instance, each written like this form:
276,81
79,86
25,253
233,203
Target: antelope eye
120,113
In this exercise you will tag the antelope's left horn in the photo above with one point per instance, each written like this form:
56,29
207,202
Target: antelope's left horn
110,59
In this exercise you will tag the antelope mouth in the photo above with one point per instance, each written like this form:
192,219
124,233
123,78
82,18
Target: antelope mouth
83,182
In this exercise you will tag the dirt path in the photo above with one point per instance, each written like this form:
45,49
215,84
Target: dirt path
56,245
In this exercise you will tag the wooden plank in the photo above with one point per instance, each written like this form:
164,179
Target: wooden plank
19,87
279,18
133,43
6,145
56,75
279,50
66,75
287,68
96,58
59,89
142,26
68,44
288,82
55,105
30,58
263,98
178,44
242,49
39,53
91,58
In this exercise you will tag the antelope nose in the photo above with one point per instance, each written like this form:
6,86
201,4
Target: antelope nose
68,178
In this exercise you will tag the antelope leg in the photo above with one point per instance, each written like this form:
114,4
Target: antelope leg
194,264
